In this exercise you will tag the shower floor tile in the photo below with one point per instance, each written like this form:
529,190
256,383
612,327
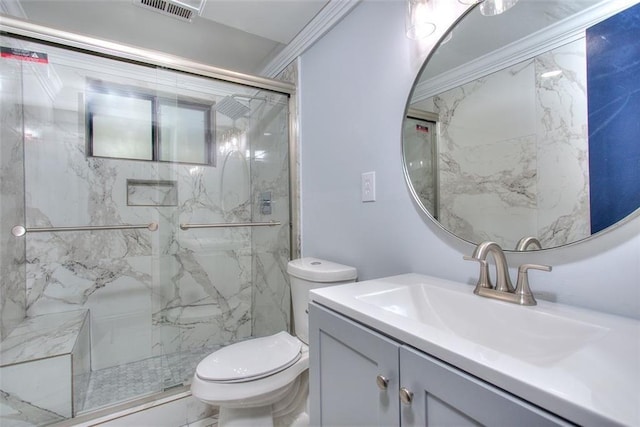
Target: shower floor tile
111,386
119,384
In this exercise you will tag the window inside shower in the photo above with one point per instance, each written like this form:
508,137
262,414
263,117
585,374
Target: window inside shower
143,245
128,122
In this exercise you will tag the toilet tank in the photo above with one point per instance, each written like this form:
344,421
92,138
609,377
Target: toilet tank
311,273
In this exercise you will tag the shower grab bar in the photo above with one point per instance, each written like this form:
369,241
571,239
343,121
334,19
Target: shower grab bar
20,230
230,224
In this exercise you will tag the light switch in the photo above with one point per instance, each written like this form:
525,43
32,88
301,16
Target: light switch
369,187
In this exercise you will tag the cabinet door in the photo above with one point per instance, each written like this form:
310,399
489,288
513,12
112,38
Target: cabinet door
446,396
345,361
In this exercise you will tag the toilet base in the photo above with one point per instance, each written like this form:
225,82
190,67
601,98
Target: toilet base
290,410
245,417
240,418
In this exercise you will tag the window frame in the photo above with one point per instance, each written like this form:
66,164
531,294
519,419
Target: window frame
156,99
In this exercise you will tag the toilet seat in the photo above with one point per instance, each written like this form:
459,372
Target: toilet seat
251,392
250,360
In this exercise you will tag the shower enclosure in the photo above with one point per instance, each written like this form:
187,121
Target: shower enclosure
144,222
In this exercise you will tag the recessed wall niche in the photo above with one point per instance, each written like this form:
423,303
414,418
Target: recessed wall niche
151,193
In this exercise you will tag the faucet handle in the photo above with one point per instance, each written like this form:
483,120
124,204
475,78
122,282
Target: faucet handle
523,291
484,281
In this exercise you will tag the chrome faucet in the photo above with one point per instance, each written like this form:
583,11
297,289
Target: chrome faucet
526,242
503,290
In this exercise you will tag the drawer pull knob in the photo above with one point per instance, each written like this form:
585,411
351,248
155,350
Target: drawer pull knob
383,382
406,396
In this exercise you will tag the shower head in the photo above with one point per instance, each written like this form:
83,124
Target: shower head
232,108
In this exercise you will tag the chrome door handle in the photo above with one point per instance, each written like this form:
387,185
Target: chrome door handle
383,382
406,396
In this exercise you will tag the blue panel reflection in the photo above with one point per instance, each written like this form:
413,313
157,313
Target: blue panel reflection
613,78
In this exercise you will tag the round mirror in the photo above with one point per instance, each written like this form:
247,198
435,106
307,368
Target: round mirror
522,128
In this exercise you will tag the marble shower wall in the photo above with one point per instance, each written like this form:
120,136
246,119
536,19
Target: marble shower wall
152,293
12,250
514,154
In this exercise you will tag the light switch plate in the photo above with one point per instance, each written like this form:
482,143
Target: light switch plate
369,187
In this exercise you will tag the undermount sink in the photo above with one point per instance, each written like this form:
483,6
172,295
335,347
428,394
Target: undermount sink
527,333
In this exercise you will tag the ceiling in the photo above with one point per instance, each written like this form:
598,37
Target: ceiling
477,35
247,36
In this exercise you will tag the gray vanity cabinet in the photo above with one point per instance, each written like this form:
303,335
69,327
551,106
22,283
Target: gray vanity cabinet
442,395
346,360
359,377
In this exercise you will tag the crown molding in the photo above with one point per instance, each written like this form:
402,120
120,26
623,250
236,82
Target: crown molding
329,16
559,34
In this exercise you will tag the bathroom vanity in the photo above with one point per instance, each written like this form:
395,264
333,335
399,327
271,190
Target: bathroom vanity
417,350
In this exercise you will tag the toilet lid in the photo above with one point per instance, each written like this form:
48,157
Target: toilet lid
251,359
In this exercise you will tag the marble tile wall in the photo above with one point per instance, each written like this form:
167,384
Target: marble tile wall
41,387
12,250
152,293
42,363
563,146
506,142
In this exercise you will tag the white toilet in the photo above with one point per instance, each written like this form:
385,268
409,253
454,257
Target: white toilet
260,379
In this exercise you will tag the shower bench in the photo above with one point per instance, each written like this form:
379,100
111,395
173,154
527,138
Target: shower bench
44,365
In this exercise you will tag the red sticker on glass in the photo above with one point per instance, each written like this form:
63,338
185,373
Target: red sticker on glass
23,55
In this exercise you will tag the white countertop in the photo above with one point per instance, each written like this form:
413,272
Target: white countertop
596,383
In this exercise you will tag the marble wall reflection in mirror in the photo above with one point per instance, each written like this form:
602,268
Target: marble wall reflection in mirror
506,122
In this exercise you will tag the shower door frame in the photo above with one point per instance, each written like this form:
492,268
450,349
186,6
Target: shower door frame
22,29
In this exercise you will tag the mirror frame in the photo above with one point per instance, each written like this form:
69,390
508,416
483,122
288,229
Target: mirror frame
407,112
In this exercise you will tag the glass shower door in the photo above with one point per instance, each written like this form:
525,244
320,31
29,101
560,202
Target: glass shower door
187,179
222,266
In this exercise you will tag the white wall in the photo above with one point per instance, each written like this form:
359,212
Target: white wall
354,85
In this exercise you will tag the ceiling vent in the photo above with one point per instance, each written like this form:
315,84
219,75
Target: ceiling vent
184,10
